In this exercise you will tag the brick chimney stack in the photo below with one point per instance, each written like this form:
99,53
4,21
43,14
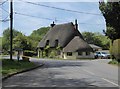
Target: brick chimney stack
76,25
53,24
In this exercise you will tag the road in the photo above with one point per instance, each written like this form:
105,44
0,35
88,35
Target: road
67,73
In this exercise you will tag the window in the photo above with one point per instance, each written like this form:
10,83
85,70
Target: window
87,53
56,43
47,42
79,53
69,53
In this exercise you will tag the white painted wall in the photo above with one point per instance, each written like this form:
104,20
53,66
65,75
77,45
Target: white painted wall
86,56
75,55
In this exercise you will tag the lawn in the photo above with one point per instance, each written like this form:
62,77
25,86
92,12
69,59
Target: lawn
13,66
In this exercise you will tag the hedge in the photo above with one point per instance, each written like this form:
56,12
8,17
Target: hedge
29,53
115,49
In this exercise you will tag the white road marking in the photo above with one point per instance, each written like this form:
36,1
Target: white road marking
88,72
111,82
101,78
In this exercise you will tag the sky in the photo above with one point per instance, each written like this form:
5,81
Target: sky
40,14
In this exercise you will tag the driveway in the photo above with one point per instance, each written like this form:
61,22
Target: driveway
67,73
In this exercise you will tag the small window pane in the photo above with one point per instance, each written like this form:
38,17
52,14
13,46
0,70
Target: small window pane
79,53
56,43
47,42
87,53
69,53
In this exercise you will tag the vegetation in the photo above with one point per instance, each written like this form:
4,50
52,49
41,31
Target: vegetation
30,53
6,37
111,12
114,62
36,36
12,66
97,39
29,43
115,50
20,41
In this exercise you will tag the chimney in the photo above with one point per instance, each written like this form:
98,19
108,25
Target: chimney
76,25
52,25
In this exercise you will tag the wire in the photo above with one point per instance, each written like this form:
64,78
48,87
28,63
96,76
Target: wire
91,24
34,16
49,18
60,8
4,9
3,2
5,20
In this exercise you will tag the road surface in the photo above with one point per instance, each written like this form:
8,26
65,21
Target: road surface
67,73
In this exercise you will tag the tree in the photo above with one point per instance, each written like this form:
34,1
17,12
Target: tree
21,42
6,38
37,35
97,39
111,12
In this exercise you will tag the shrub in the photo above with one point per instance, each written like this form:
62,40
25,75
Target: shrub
113,62
115,49
29,53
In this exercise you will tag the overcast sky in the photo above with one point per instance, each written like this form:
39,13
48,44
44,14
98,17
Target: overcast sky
88,15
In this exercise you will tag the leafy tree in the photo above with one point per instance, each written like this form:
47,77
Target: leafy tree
37,35
6,33
97,39
40,32
21,42
111,12
6,38
111,33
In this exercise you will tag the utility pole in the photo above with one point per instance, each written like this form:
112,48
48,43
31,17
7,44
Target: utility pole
11,27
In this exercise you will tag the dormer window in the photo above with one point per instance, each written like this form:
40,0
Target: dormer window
56,43
47,42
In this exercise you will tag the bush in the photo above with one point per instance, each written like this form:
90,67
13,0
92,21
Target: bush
29,53
53,53
113,62
115,50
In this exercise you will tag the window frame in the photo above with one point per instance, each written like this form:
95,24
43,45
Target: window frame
69,54
80,53
87,53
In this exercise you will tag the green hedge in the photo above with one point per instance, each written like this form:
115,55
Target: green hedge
115,49
29,53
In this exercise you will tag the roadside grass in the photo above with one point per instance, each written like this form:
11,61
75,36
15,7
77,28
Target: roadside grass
114,62
13,66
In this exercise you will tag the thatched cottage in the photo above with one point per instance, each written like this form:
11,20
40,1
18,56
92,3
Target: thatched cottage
69,41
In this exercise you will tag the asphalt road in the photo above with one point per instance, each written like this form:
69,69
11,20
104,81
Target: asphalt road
67,73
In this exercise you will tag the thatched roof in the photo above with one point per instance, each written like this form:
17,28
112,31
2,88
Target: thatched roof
63,33
77,44
95,46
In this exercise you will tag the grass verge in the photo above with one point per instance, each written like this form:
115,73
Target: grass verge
13,66
114,62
